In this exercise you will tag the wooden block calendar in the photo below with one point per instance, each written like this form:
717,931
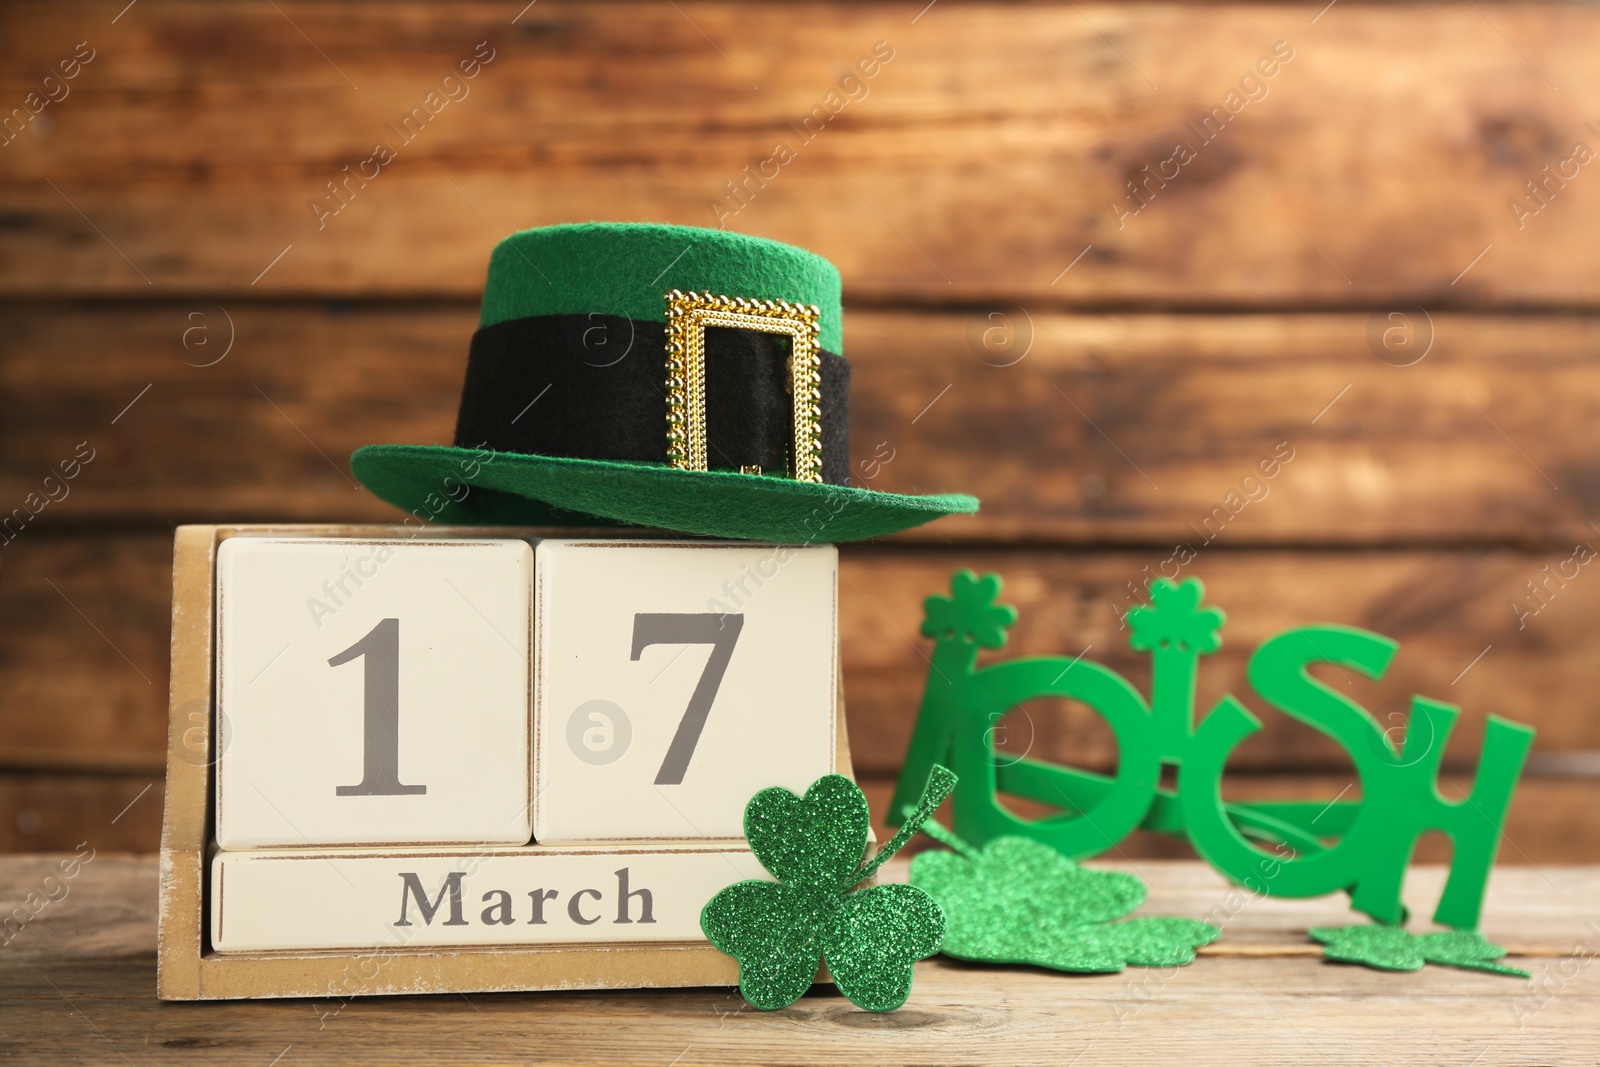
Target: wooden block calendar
477,759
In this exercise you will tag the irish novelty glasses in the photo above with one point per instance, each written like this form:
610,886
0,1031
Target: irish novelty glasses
1281,848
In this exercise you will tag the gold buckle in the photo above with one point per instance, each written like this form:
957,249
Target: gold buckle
688,315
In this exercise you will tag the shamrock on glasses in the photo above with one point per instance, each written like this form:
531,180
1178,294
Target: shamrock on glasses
970,614
1175,620
814,846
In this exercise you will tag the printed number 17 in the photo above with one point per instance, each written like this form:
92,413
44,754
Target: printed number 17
721,632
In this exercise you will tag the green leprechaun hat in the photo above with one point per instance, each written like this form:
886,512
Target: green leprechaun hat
662,376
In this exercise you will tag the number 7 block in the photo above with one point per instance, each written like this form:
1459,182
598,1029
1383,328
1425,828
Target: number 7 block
673,680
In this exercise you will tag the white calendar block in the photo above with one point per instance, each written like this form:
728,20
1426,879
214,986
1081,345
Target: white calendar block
373,692
382,902
675,680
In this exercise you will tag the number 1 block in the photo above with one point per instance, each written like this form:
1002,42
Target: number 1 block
372,692
675,680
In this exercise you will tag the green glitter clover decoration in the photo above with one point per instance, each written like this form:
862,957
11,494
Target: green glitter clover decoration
1392,948
1020,901
779,931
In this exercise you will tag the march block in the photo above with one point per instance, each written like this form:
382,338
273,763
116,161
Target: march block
388,901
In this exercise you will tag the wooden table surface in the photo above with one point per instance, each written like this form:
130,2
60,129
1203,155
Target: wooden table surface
78,985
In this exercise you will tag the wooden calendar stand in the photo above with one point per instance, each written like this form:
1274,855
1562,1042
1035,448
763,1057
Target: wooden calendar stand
189,969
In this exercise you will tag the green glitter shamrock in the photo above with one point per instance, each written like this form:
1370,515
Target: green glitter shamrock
1174,619
1020,901
969,613
779,931
1392,948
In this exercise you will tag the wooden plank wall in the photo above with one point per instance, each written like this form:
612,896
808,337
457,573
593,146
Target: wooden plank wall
1102,262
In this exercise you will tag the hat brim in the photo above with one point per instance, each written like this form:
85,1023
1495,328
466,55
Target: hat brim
480,487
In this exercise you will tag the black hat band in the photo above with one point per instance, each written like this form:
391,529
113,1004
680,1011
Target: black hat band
592,386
